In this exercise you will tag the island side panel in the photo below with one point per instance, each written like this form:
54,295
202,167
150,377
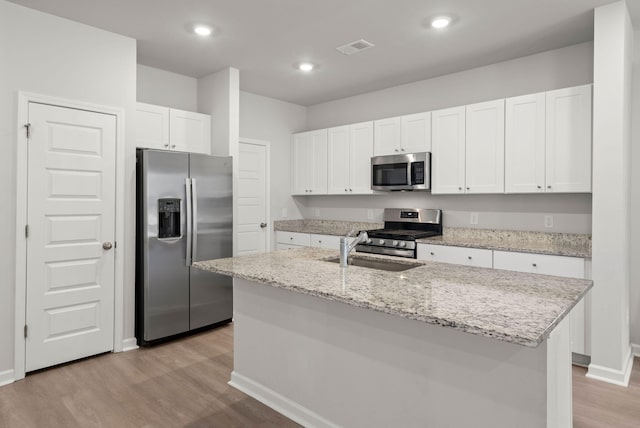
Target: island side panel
325,363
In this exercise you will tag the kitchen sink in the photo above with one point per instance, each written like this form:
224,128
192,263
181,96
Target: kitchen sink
379,264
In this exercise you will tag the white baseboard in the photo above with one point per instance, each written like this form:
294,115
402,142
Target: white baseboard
279,403
6,377
635,348
129,344
616,377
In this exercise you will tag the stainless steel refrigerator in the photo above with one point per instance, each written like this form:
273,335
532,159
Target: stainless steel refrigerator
184,215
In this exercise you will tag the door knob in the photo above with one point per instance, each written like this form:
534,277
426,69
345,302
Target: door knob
263,225
107,245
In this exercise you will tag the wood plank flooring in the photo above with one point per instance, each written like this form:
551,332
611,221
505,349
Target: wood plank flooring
183,383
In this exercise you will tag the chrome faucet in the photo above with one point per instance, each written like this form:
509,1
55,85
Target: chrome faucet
346,248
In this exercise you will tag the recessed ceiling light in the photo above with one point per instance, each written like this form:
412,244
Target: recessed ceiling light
202,30
305,66
440,22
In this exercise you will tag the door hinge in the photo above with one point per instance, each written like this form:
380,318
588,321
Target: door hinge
25,331
26,231
115,244
28,129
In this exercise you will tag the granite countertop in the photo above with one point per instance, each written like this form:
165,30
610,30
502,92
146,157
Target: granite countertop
558,244
324,227
515,307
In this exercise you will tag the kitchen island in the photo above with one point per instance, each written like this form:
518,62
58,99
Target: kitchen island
331,346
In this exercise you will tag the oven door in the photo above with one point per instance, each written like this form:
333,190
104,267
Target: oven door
410,171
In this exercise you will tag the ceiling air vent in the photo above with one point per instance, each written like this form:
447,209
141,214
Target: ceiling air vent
353,47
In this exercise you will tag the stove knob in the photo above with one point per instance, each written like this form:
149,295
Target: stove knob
369,241
381,242
394,243
403,244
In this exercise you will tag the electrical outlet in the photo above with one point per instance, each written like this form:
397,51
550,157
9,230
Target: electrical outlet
369,214
548,221
317,212
285,214
473,218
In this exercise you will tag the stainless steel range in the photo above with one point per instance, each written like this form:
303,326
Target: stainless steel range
401,229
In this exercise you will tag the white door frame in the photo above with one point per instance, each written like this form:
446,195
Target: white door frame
267,201
24,98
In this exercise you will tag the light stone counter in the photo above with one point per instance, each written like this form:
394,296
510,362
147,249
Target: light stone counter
324,227
559,244
509,306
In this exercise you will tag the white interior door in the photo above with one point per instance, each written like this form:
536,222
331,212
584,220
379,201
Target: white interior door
71,220
252,222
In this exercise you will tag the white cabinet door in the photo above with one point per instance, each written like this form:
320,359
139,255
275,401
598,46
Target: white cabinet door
189,131
293,238
448,150
152,126
325,241
484,154
360,153
525,144
568,146
457,255
387,136
318,164
338,149
416,133
310,163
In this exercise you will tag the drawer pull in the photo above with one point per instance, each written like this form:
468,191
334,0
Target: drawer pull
432,253
534,265
469,257
291,238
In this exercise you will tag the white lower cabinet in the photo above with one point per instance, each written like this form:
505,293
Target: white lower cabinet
285,240
571,267
457,255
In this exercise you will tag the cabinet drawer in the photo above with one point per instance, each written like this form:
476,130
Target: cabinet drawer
293,238
325,241
458,255
572,267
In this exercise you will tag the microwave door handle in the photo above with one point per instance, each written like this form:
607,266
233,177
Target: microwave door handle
194,198
187,185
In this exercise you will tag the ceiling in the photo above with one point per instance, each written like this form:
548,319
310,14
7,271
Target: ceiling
266,39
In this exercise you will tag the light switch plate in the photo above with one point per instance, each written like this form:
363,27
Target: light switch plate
473,218
548,221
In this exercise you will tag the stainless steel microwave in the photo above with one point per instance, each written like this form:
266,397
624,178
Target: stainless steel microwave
407,171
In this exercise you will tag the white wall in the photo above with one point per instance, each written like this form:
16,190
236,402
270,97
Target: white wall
569,66
634,284
52,56
613,44
272,120
164,88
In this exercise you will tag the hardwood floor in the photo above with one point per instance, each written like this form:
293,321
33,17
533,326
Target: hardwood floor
598,404
184,384
178,384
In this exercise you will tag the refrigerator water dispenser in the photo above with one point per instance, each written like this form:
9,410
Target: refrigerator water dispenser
169,218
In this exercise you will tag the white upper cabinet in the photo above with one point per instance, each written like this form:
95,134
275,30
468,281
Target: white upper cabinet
568,144
387,136
525,144
548,142
152,126
349,161
403,134
310,163
189,131
164,128
416,133
448,150
484,165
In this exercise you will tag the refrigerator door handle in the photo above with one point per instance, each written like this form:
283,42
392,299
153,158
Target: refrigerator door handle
194,198
187,185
